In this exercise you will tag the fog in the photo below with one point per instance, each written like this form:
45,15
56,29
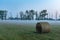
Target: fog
29,22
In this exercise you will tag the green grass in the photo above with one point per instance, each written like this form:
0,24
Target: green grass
27,32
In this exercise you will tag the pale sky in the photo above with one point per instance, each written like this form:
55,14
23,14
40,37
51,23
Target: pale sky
14,6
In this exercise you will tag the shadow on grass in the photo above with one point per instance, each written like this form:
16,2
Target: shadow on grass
40,32
32,32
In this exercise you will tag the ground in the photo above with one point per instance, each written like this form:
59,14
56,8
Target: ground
12,30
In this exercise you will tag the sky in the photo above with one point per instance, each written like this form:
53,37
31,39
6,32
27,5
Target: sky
15,6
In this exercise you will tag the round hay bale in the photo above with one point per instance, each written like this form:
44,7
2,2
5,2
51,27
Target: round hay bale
42,27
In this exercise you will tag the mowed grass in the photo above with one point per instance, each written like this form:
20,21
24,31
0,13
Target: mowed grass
27,32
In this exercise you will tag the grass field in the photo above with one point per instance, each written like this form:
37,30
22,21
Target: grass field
9,31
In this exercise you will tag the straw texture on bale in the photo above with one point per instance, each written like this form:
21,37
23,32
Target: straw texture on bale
42,27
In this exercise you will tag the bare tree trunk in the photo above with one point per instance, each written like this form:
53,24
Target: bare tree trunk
2,17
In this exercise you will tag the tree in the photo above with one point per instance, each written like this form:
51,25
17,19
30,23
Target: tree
11,17
27,14
56,15
36,15
3,14
32,13
43,13
16,17
21,15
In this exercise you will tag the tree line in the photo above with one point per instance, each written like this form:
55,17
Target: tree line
27,15
30,14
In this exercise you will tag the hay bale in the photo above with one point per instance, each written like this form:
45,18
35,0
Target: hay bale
42,27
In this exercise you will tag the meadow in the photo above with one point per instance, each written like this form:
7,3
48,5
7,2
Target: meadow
27,31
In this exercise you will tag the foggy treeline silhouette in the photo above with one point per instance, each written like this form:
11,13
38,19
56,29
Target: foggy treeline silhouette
27,15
